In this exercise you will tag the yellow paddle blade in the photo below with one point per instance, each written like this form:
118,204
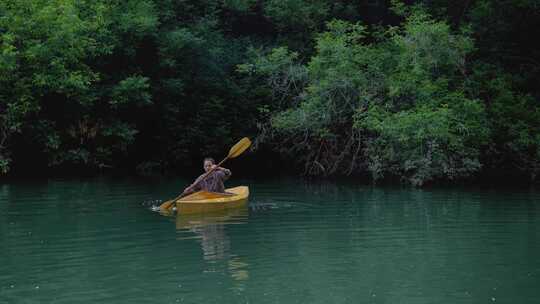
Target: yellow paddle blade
240,147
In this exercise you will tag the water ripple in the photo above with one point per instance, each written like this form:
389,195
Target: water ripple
97,241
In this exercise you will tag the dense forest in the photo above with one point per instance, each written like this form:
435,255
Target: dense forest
410,91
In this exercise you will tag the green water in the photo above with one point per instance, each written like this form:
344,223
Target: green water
96,241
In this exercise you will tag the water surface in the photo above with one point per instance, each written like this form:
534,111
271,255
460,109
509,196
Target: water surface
96,241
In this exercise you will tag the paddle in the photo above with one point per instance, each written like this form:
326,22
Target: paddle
236,150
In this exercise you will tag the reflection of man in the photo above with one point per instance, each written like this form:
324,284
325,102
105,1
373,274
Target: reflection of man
236,267
213,182
216,245
214,242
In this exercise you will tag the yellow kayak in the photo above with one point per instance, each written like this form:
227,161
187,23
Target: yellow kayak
204,201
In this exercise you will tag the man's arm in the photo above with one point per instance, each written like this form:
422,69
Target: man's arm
227,173
224,173
194,187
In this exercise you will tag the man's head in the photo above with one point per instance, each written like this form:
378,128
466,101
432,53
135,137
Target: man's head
208,163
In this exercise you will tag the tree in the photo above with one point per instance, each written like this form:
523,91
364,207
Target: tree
395,106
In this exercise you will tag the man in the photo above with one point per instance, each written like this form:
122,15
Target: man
213,182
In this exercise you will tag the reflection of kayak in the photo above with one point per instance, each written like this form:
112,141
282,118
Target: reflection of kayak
204,201
223,217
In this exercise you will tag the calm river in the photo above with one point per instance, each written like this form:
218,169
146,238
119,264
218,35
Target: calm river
97,241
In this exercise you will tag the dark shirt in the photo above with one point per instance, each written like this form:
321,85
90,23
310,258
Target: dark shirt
213,182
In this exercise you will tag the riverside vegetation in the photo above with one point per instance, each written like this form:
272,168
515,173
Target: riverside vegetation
418,91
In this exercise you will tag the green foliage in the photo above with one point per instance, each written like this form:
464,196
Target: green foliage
421,92
46,69
297,14
137,18
240,5
514,119
395,107
425,128
35,59
133,89
425,143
